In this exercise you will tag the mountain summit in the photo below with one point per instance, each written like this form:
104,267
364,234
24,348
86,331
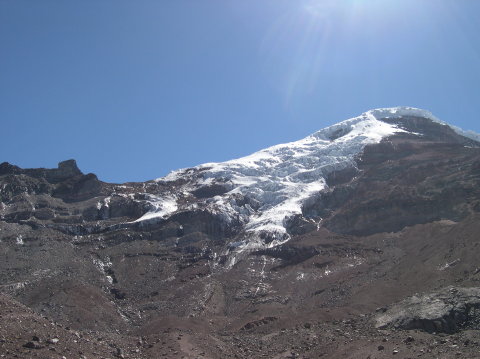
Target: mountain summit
265,191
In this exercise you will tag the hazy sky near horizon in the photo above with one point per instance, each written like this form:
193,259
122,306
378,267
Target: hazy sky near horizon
134,89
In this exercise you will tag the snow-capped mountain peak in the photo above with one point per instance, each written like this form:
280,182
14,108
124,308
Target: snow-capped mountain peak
266,189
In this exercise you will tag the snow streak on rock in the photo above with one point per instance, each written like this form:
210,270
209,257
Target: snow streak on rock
162,207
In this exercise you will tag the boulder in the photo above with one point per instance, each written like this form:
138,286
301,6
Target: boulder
445,311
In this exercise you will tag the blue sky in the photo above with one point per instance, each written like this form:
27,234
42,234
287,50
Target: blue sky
134,89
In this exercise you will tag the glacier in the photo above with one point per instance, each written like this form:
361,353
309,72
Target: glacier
280,179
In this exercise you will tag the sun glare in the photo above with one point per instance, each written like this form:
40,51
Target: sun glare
319,9
307,33
304,46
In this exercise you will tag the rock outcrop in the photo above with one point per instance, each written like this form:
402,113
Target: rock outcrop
445,311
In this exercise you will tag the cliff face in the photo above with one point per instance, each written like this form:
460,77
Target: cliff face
252,257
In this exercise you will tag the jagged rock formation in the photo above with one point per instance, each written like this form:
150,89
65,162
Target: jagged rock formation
446,311
256,256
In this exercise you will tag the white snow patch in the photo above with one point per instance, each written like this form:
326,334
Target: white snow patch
162,207
103,267
105,203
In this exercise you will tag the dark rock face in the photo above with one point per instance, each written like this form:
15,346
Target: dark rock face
78,188
447,311
431,131
210,191
65,170
7,168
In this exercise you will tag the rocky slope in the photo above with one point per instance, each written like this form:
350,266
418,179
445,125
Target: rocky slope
305,249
